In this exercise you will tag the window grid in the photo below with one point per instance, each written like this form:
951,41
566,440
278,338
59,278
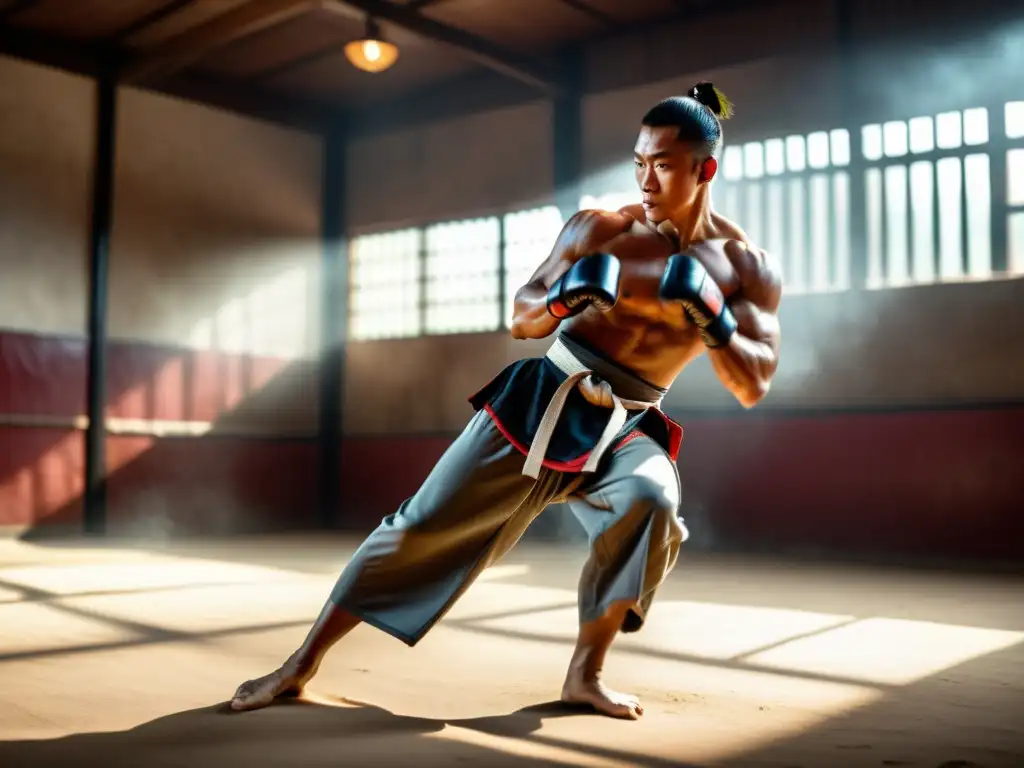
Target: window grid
930,219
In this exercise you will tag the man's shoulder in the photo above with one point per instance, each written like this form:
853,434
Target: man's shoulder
593,227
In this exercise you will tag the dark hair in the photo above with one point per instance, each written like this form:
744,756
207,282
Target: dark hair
698,115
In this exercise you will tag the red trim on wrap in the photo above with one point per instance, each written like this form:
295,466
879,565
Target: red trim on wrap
576,465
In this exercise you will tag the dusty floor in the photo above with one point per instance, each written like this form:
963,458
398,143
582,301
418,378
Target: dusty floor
124,655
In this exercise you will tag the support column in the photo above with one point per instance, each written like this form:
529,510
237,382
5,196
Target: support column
849,86
94,513
567,139
334,324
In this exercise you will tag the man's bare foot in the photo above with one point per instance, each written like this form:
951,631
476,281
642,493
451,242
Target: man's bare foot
289,680
579,689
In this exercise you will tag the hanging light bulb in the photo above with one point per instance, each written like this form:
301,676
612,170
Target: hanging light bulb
371,53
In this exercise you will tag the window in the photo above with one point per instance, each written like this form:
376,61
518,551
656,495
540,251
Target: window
805,218
462,276
529,237
385,285
929,220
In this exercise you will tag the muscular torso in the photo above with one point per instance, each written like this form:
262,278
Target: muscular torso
655,339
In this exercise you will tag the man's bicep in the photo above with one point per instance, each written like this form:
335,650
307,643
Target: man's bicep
760,277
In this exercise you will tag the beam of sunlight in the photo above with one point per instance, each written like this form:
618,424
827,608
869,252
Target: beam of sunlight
887,651
68,580
524,749
496,572
289,598
39,627
705,630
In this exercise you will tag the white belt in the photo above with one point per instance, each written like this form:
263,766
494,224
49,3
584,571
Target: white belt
600,393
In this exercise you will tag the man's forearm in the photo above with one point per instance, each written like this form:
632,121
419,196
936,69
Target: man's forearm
745,368
531,319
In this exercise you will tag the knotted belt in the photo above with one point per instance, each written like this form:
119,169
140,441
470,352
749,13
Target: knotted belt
596,390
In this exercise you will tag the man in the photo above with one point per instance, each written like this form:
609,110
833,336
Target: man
636,295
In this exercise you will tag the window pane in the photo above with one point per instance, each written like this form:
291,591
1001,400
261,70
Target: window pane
820,252
841,235
977,186
949,130
797,237
922,220
894,138
950,186
1015,243
897,245
922,135
1014,116
796,153
1015,177
975,126
774,156
732,163
873,220
753,160
840,140
817,150
871,142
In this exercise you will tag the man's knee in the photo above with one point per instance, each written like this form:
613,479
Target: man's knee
657,494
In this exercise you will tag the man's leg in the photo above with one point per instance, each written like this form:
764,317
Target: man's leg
471,510
631,516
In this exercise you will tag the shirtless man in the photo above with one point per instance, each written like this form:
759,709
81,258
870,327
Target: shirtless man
635,296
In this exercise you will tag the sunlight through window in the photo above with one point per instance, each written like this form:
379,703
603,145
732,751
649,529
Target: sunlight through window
817,150
840,142
950,186
385,285
462,276
1013,116
529,237
753,160
922,135
732,163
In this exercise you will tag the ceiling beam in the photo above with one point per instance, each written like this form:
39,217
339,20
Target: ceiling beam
416,5
592,12
250,100
478,49
186,49
75,56
153,17
12,9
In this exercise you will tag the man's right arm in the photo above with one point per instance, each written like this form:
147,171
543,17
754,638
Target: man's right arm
584,233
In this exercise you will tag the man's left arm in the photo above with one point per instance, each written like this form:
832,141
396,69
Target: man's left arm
746,363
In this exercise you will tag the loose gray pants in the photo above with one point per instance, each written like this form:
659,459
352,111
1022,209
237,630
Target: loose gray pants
475,505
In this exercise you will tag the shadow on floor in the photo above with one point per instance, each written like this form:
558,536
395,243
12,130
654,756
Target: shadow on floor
300,732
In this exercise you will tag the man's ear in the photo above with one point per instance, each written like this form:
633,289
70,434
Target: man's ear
708,169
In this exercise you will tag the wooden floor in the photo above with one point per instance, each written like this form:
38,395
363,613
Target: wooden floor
123,655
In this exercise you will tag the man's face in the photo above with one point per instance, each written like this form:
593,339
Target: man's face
667,172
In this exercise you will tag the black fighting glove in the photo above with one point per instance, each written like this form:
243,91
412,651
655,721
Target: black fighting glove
688,282
594,279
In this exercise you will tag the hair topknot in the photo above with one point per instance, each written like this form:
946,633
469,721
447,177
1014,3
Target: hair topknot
712,98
